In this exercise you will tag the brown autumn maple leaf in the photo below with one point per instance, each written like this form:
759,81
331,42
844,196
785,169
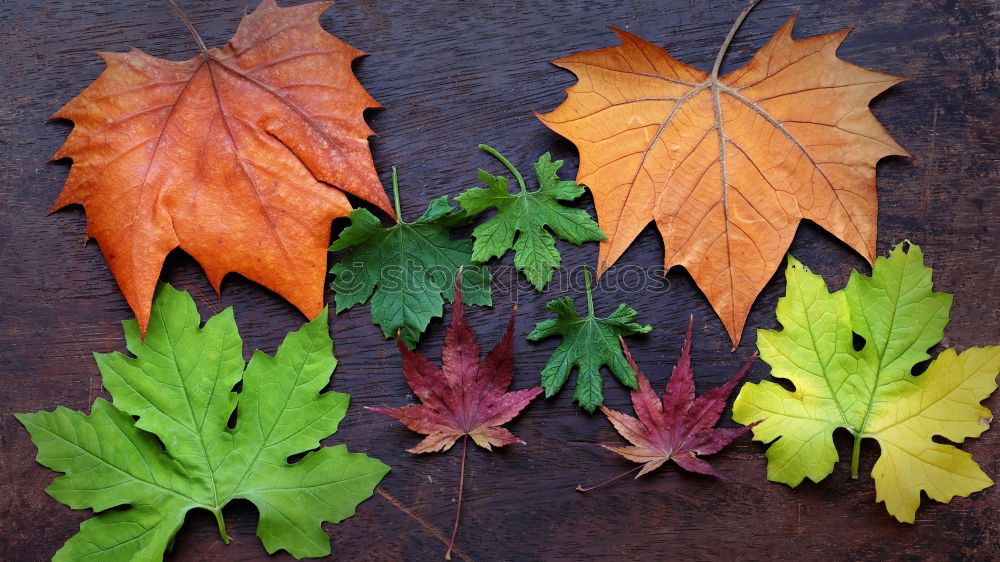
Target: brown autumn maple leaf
727,167
465,397
230,156
681,427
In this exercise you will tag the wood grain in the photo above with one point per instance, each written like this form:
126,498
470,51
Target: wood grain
451,75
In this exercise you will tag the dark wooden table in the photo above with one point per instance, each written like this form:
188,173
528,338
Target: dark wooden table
451,75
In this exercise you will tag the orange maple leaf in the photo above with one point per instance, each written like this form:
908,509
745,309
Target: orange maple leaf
230,156
727,167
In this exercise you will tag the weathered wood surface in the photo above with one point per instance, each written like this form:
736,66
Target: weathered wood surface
451,75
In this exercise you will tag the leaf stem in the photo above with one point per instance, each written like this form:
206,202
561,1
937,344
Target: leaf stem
729,38
222,525
513,170
581,489
855,455
194,32
590,296
395,196
458,509
423,522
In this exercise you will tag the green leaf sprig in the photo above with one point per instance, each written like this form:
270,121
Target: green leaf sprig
527,220
407,269
588,344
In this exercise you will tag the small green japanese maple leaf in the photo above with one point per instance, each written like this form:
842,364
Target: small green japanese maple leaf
521,219
588,344
179,454
871,392
407,269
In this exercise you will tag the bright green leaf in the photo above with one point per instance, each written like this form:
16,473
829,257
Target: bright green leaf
871,393
180,386
407,269
588,344
521,219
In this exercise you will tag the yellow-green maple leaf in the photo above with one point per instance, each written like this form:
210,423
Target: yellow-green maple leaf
871,392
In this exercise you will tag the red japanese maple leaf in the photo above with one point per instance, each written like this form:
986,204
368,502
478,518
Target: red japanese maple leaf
466,397
681,428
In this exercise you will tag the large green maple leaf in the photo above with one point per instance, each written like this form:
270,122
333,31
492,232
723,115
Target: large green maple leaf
407,269
525,215
871,393
181,455
588,344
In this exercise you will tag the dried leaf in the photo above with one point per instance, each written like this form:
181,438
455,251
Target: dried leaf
466,397
727,167
230,156
681,427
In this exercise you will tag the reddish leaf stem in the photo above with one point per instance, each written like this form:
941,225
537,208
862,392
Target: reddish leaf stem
458,509
187,23
423,522
580,488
